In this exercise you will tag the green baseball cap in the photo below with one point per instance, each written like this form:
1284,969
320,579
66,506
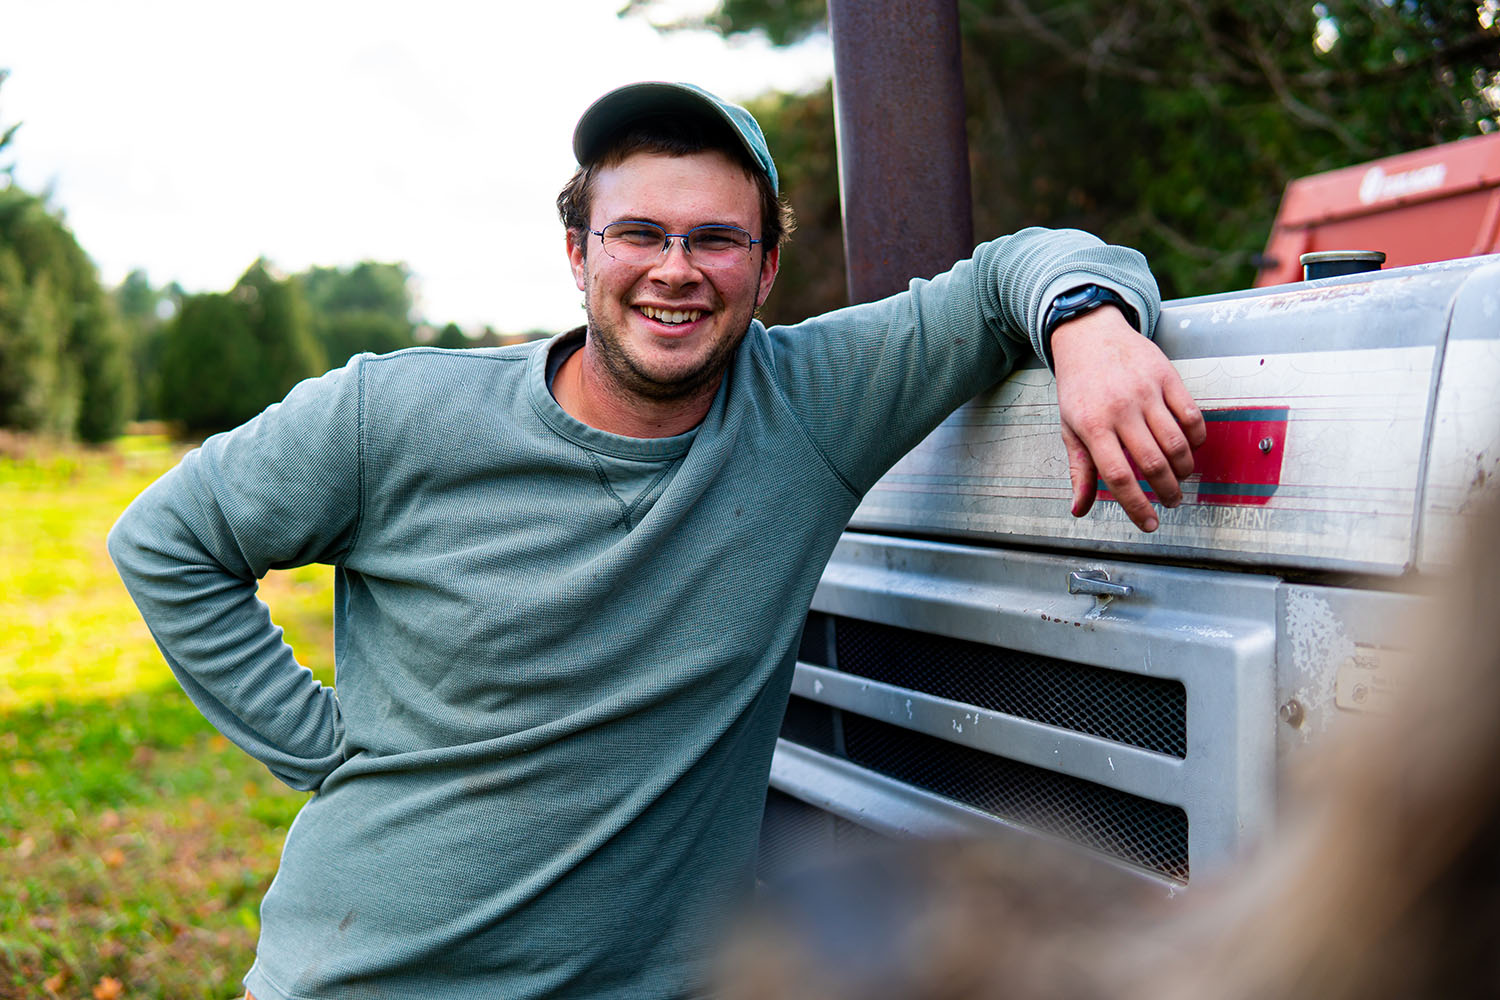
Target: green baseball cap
618,108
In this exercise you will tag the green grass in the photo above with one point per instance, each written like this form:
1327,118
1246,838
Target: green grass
135,842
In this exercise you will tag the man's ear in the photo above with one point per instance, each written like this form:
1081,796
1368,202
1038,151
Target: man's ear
770,263
576,258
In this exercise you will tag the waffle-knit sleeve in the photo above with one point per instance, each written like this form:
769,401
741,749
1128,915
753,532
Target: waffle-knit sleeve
872,380
281,490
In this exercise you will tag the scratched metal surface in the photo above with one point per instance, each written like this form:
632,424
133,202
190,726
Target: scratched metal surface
1465,452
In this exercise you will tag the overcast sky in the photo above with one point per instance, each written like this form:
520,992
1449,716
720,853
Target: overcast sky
189,138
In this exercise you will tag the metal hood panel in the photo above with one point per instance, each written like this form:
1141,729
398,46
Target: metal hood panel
1319,399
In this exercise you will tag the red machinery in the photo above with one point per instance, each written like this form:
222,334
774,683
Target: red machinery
1429,204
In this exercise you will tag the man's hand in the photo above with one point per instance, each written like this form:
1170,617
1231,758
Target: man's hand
1117,394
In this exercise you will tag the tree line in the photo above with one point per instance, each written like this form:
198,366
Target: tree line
212,360
78,360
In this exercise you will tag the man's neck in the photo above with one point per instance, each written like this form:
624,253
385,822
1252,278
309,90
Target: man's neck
587,395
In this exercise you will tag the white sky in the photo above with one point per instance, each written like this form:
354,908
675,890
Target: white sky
189,138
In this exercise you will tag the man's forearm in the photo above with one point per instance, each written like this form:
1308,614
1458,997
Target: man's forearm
280,490
220,642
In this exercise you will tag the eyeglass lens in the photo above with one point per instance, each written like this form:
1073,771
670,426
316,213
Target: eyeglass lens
709,246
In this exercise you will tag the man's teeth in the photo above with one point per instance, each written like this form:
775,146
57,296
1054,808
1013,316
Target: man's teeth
672,315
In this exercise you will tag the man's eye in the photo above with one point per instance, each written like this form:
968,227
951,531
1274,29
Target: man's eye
641,236
712,240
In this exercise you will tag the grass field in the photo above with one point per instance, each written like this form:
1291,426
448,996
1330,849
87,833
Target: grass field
135,842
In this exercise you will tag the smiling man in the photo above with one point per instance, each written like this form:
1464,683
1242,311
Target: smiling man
571,576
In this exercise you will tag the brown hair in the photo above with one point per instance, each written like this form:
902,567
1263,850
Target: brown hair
674,135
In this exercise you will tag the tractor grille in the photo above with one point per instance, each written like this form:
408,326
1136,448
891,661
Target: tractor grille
1146,712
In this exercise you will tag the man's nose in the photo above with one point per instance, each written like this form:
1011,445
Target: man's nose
675,261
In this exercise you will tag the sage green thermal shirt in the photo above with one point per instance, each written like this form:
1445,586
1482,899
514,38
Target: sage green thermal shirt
562,655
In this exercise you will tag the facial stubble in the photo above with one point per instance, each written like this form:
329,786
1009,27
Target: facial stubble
630,377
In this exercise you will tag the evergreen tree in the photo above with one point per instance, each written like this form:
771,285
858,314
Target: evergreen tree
30,344
106,389
226,357
64,367
210,377
365,308
281,323
452,337
143,310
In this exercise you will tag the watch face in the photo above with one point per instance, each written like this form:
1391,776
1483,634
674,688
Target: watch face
1078,301
1078,297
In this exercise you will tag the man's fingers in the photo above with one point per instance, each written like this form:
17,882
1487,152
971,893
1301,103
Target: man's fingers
1121,401
1101,456
1172,441
1120,479
1081,471
1151,465
1189,418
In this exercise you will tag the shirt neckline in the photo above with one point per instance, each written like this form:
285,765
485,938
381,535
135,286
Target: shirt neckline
543,365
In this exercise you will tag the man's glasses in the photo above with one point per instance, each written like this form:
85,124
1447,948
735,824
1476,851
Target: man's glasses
642,242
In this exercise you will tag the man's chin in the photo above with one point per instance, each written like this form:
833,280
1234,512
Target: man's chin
666,385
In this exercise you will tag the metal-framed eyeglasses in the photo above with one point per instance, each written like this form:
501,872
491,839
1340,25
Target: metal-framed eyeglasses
631,242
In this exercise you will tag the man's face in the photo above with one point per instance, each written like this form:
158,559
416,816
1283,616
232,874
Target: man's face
631,307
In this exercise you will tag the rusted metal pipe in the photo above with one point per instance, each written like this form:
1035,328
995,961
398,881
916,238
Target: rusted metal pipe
903,153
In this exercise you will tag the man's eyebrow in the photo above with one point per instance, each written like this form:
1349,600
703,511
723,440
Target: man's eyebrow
664,227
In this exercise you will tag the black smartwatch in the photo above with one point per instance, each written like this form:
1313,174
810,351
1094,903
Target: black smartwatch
1074,303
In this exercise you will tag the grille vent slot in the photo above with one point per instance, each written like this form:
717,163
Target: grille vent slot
809,723
1143,832
1145,712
